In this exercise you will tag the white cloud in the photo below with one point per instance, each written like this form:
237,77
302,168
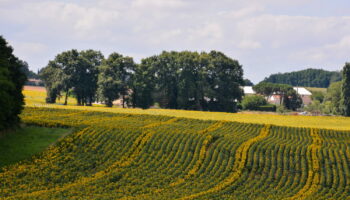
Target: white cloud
241,29
158,3
248,44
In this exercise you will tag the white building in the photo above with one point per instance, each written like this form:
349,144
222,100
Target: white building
275,99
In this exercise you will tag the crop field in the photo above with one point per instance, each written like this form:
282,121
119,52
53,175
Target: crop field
36,99
113,155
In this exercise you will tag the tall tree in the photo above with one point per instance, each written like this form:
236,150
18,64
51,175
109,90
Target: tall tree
333,98
72,71
345,95
143,83
247,82
12,79
91,60
225,76
115,74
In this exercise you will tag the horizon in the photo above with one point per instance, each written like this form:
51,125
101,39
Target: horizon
266,37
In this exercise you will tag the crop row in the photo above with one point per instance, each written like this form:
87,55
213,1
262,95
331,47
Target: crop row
124,156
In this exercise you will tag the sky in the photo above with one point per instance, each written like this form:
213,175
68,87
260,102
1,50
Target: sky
265,36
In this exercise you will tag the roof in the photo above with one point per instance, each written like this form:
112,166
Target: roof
299,90
248,90
302,91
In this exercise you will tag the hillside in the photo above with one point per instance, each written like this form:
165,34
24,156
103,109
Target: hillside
23,143
130,156
307,78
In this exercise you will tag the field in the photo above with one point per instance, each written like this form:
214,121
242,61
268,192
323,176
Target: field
136,154
21,144
36,99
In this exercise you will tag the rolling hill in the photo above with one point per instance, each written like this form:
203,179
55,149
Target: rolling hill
140,156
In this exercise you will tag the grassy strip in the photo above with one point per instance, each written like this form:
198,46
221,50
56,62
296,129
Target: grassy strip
23,143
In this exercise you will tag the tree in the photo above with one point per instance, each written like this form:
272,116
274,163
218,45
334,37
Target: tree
225,77
12,79
247,82
89,74
288,96
253,102
143,84
345,94
317,95
306,78
115,73
265,88
72,72
333,98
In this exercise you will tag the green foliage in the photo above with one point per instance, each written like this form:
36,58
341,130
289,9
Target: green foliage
143,84
307,78
72,71
189,80
12,79
133,156
288,96
22,143
345,94
268,108
29,73
282,109
333,98
175,80
317,95
253,102
247,82
114,78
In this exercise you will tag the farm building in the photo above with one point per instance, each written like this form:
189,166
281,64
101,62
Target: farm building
275,99
248,90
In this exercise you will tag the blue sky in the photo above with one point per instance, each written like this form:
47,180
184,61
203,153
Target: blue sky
265,36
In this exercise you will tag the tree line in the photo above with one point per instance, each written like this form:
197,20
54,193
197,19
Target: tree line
175,80
12,79
306,78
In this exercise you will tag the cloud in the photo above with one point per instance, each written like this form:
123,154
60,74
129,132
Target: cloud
248,44
264,35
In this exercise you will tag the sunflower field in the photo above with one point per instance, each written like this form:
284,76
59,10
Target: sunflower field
112,155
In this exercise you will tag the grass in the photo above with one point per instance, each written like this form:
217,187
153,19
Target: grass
314,89
22,144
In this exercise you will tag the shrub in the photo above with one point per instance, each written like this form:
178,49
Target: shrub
253,102
268,108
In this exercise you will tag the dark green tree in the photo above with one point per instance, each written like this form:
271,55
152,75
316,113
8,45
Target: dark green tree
225,76
247,82
114,78
307,78
72,72
265,88
333,98
143,83
345,94
12,79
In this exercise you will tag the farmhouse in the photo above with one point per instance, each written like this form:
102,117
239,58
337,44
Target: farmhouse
275,99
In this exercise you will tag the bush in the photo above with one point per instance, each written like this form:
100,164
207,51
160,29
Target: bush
253,102
268,108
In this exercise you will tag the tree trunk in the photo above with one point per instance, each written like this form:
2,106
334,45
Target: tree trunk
66,98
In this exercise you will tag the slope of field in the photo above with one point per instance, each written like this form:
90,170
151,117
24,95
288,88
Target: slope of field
36,99
23,143
130,156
